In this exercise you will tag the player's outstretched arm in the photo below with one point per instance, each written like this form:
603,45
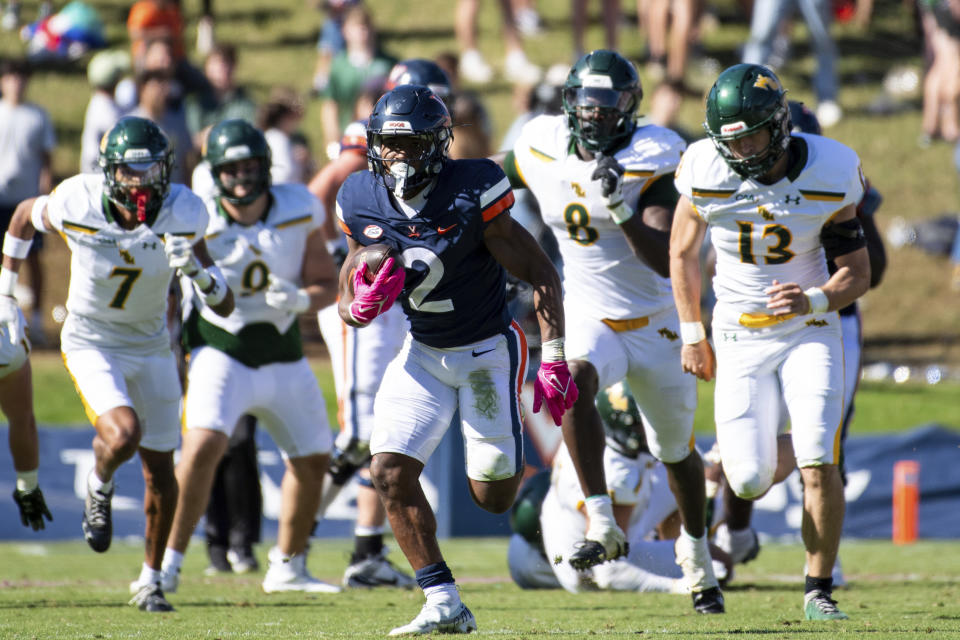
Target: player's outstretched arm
686,237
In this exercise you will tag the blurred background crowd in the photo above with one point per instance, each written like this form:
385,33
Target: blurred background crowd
179,63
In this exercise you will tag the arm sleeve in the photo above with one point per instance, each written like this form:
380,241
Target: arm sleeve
659,190
513,171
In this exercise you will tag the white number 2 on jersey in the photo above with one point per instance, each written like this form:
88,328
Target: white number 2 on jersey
432,279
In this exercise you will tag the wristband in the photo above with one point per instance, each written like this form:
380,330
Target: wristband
36,214
16,247
27,480
216,289
819,303
620,213
8,282
692,332
552,351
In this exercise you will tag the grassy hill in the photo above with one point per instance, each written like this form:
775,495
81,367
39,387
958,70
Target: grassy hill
277,46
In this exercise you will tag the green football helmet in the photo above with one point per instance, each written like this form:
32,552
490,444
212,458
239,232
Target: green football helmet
621,419
747,98
525,514
600,99
137,159
232,141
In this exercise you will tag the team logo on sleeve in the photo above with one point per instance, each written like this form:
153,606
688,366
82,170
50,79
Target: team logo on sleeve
372,231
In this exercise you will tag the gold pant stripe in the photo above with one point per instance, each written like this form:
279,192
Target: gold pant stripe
763,320
626,325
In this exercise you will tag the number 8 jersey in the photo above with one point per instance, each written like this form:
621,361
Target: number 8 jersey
765,232
119,278
601,273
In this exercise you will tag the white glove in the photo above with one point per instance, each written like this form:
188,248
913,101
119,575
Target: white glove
180,256
286,296
14,346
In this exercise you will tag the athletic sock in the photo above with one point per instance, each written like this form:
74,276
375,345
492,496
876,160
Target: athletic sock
818,584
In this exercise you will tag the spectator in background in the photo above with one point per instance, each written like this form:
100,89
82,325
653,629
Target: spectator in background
473,67
26,141
153,87
612,14
150,20
350,71
104,72
764,28
941,85
223,99
331,41
205,39
158,56
669,25
279,119
473,130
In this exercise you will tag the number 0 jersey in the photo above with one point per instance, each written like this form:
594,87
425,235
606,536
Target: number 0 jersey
601,274
765,232
256,333
454,293
119,278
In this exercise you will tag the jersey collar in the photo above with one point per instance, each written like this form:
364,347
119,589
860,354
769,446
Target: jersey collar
230,220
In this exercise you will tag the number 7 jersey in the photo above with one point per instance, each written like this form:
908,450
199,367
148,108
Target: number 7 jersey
765,232
119,278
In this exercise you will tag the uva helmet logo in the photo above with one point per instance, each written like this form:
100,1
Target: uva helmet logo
372,231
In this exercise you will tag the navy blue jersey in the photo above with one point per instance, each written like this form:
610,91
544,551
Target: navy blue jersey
454,292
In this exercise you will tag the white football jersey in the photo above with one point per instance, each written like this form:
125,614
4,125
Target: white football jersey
627,479
119,278
765,232
247,255
600,272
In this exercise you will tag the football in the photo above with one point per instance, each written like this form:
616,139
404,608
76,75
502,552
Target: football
374,255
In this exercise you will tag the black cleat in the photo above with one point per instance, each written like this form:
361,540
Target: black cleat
590,553
150,598
97,523
708,601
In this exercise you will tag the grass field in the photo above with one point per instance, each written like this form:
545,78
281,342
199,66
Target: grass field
67,591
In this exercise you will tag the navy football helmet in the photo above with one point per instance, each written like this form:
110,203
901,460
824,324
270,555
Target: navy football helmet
409,111
426,73
803,119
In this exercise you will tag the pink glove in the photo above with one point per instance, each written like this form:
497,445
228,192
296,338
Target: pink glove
555,387
370,300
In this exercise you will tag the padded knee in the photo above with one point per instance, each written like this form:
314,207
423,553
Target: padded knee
748,481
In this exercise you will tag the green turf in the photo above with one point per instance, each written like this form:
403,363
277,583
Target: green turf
64,590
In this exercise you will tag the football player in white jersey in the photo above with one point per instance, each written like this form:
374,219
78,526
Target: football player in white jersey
16,394
267,242
777,204
605,188
359,359
549,520
128,230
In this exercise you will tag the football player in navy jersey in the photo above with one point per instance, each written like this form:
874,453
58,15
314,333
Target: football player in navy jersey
450,221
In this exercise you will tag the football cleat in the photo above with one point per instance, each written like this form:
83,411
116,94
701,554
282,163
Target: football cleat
599,547
742,544
708,601
818,605
150,598
97,523
289,573
376,571
434,619
693,556
242,560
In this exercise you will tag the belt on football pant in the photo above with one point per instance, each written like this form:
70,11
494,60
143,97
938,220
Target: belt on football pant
628,324
763,320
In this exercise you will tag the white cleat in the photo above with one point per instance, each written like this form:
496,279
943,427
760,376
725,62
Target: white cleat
376,571
519,70
474,68
693,556
289,573
434,619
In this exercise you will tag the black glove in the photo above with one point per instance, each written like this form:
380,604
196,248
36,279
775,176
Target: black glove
32,508
610,174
